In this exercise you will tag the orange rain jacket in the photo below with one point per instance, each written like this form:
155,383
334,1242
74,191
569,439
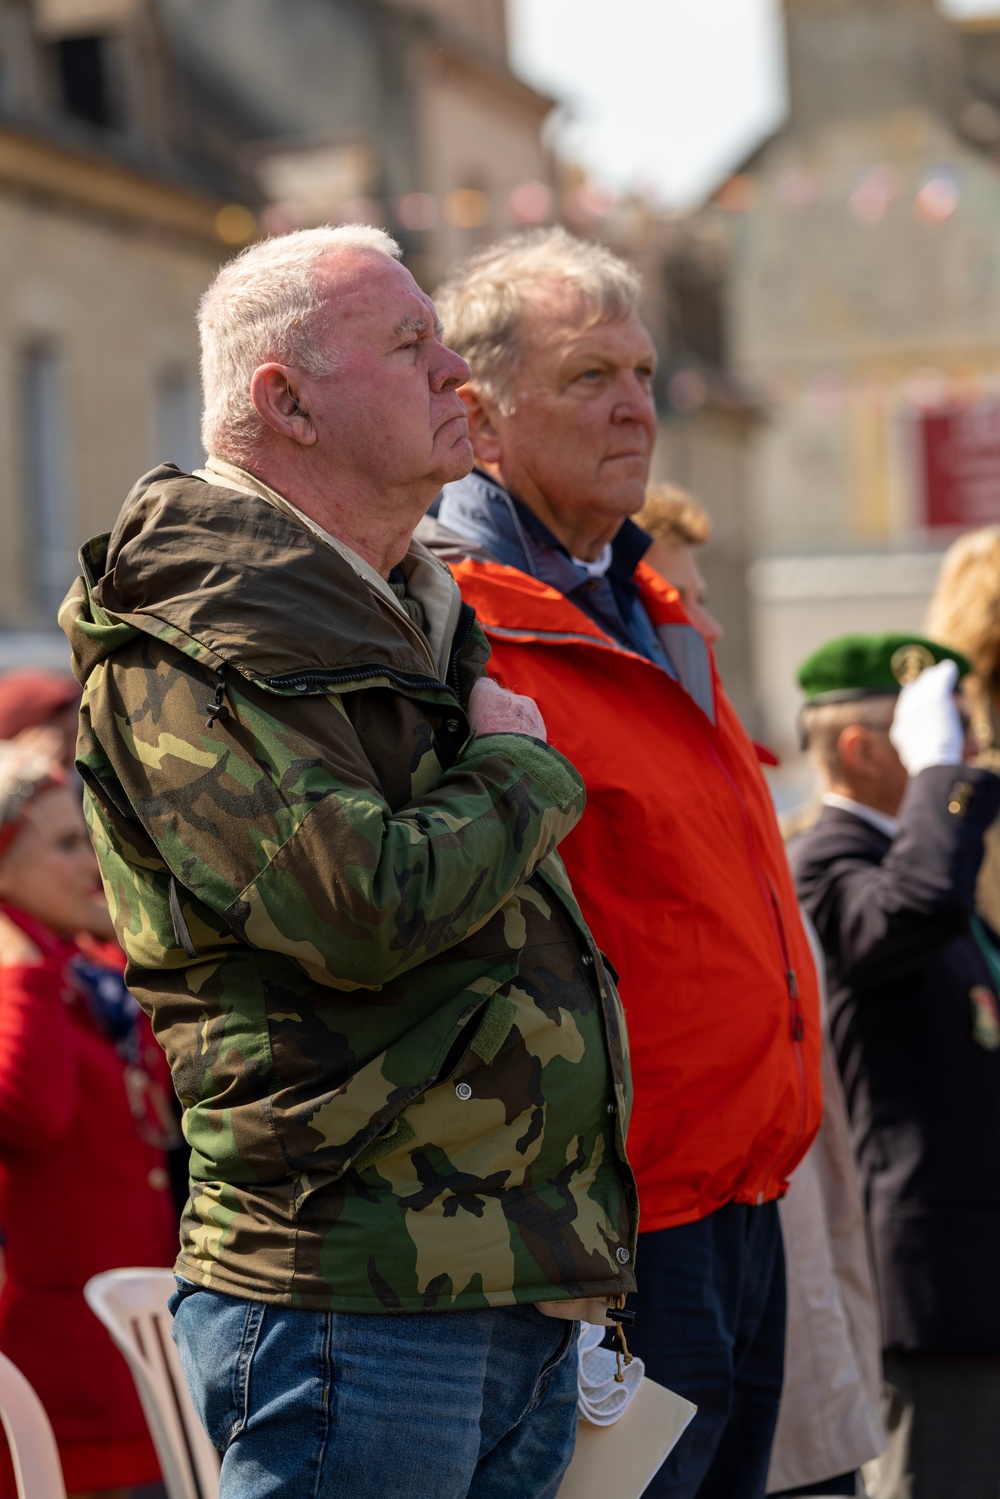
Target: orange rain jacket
680,870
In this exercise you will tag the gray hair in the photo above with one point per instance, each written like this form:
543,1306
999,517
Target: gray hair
480,302
24,773
261,307
823,723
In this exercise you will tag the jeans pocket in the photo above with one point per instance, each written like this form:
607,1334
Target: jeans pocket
256,1311
216,1338
568,1340
177,1298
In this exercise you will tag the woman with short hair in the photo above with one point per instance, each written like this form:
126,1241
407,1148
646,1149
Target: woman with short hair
83,1126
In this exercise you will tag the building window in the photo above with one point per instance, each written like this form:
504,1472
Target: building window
51,561
695,310
82,74
178,417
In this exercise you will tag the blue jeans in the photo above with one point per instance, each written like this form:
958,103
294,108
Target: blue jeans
437,1405
710,1324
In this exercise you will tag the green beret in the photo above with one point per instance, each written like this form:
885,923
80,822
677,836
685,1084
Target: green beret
858,666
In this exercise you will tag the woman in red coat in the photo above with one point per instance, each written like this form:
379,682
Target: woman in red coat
83,1124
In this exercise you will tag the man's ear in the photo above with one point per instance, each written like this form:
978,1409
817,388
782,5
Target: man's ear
275,391
854,749
482,431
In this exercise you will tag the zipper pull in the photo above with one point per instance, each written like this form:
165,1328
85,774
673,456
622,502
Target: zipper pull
217,708
621,1316
793,983
798,1028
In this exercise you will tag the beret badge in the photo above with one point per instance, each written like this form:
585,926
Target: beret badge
909,661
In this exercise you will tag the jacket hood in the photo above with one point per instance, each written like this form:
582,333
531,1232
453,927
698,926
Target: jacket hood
231,580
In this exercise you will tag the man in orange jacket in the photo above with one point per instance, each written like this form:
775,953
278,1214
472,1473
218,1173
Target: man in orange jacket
677,862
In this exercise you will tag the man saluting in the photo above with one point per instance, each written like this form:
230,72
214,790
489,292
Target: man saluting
888,875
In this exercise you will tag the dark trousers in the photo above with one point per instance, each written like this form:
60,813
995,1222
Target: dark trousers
710,1325
847,1483
943,1417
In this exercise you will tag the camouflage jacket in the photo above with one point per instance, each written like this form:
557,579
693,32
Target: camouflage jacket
401,1057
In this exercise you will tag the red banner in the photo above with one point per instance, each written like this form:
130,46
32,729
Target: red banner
960,454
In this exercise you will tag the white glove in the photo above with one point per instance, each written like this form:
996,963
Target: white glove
926,729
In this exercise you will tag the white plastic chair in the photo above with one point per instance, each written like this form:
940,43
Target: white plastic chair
37,1469
132,1304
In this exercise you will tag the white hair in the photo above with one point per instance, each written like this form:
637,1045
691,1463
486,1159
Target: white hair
823,723
261,307
480,302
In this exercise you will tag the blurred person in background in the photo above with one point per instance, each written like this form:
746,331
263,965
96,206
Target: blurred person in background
678,863
83,1123
965,614
888,876
829,1421
40,709
678,525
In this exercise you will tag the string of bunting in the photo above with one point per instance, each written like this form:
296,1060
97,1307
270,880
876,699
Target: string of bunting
935,197
529,203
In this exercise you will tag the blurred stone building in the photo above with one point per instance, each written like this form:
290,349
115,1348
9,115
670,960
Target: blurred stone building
707,413
404,112
863,308
709,420
140,142
105,243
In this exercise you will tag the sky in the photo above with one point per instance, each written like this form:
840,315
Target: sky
669,98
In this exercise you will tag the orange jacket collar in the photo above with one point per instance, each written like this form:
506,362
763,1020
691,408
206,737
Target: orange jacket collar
515,606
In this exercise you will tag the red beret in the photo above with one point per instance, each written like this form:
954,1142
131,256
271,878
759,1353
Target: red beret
31,696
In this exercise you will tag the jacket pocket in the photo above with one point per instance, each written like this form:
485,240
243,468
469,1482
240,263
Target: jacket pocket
327,1132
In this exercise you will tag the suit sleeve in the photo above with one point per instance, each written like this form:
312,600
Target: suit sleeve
883,918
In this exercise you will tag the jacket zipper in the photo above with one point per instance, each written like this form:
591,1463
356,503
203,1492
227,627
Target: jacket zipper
797,1020
798,1032
459,641
344,676
797,1024
415,681
594,960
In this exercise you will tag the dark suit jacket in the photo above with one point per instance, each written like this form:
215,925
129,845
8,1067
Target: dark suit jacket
916,1026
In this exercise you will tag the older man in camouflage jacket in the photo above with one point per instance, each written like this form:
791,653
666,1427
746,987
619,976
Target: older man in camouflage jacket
329,847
